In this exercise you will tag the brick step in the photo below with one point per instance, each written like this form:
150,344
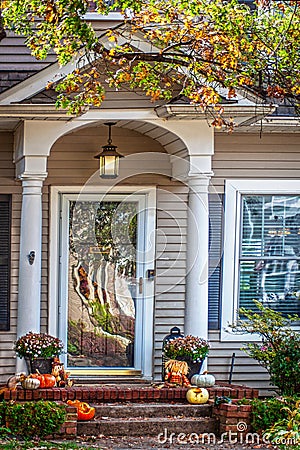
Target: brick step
152,410
147,426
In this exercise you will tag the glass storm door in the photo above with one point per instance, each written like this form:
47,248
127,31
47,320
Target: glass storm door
102,305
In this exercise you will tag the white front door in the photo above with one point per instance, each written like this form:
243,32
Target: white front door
106,282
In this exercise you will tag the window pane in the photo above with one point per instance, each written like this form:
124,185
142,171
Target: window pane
252,220
270,251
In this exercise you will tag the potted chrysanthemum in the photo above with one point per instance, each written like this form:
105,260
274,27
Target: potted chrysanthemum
192,349
38,349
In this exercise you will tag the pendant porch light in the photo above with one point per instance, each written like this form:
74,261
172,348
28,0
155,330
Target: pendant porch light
109,157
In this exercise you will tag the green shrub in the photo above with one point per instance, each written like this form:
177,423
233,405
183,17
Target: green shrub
285,366
32,419
286,430
266,412
279,349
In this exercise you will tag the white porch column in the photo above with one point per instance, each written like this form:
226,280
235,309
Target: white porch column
196,304
29,297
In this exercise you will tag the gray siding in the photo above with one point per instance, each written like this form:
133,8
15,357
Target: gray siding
273,156
270,156
170,264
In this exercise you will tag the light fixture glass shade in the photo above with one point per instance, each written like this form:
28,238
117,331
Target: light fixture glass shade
109,158
109,165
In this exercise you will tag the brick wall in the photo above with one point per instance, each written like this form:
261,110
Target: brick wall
233,418
69,428
119,393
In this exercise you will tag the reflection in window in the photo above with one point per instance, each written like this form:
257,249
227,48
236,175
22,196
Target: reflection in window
102,283
270,252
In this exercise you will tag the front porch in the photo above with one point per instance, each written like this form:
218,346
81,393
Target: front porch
147,409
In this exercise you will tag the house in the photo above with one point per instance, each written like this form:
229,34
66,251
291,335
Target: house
198,223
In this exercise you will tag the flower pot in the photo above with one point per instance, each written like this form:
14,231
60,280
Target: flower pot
194,367
43,365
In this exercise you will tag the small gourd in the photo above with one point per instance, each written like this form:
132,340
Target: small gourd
30,383
197,396
203,380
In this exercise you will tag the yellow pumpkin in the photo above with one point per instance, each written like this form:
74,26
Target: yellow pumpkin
197,396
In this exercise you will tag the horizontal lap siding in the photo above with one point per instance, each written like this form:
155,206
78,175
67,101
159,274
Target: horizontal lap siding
273,156
9,186
170,264
249,156
245,370
72,161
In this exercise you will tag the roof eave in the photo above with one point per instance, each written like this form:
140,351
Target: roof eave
30,111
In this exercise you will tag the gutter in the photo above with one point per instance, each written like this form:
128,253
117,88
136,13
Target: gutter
242,115
23,111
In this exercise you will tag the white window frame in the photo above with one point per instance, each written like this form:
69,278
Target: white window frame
234,189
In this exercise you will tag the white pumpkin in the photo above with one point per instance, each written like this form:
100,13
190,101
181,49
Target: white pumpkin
30,383
203,380
197,396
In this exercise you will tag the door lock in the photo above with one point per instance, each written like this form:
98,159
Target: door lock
150,274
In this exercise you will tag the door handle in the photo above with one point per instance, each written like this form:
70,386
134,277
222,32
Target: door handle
141,285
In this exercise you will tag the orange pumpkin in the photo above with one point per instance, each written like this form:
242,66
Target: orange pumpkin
84,410
46,379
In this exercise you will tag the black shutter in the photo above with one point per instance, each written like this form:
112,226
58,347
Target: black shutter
215,259
5,227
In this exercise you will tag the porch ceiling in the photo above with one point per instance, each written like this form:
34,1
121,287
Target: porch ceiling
171,143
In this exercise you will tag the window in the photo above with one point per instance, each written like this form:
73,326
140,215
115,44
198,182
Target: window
269,256
5,220
262,257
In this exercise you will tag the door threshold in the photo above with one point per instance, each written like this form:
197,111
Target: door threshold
107,376
91,380
107,372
